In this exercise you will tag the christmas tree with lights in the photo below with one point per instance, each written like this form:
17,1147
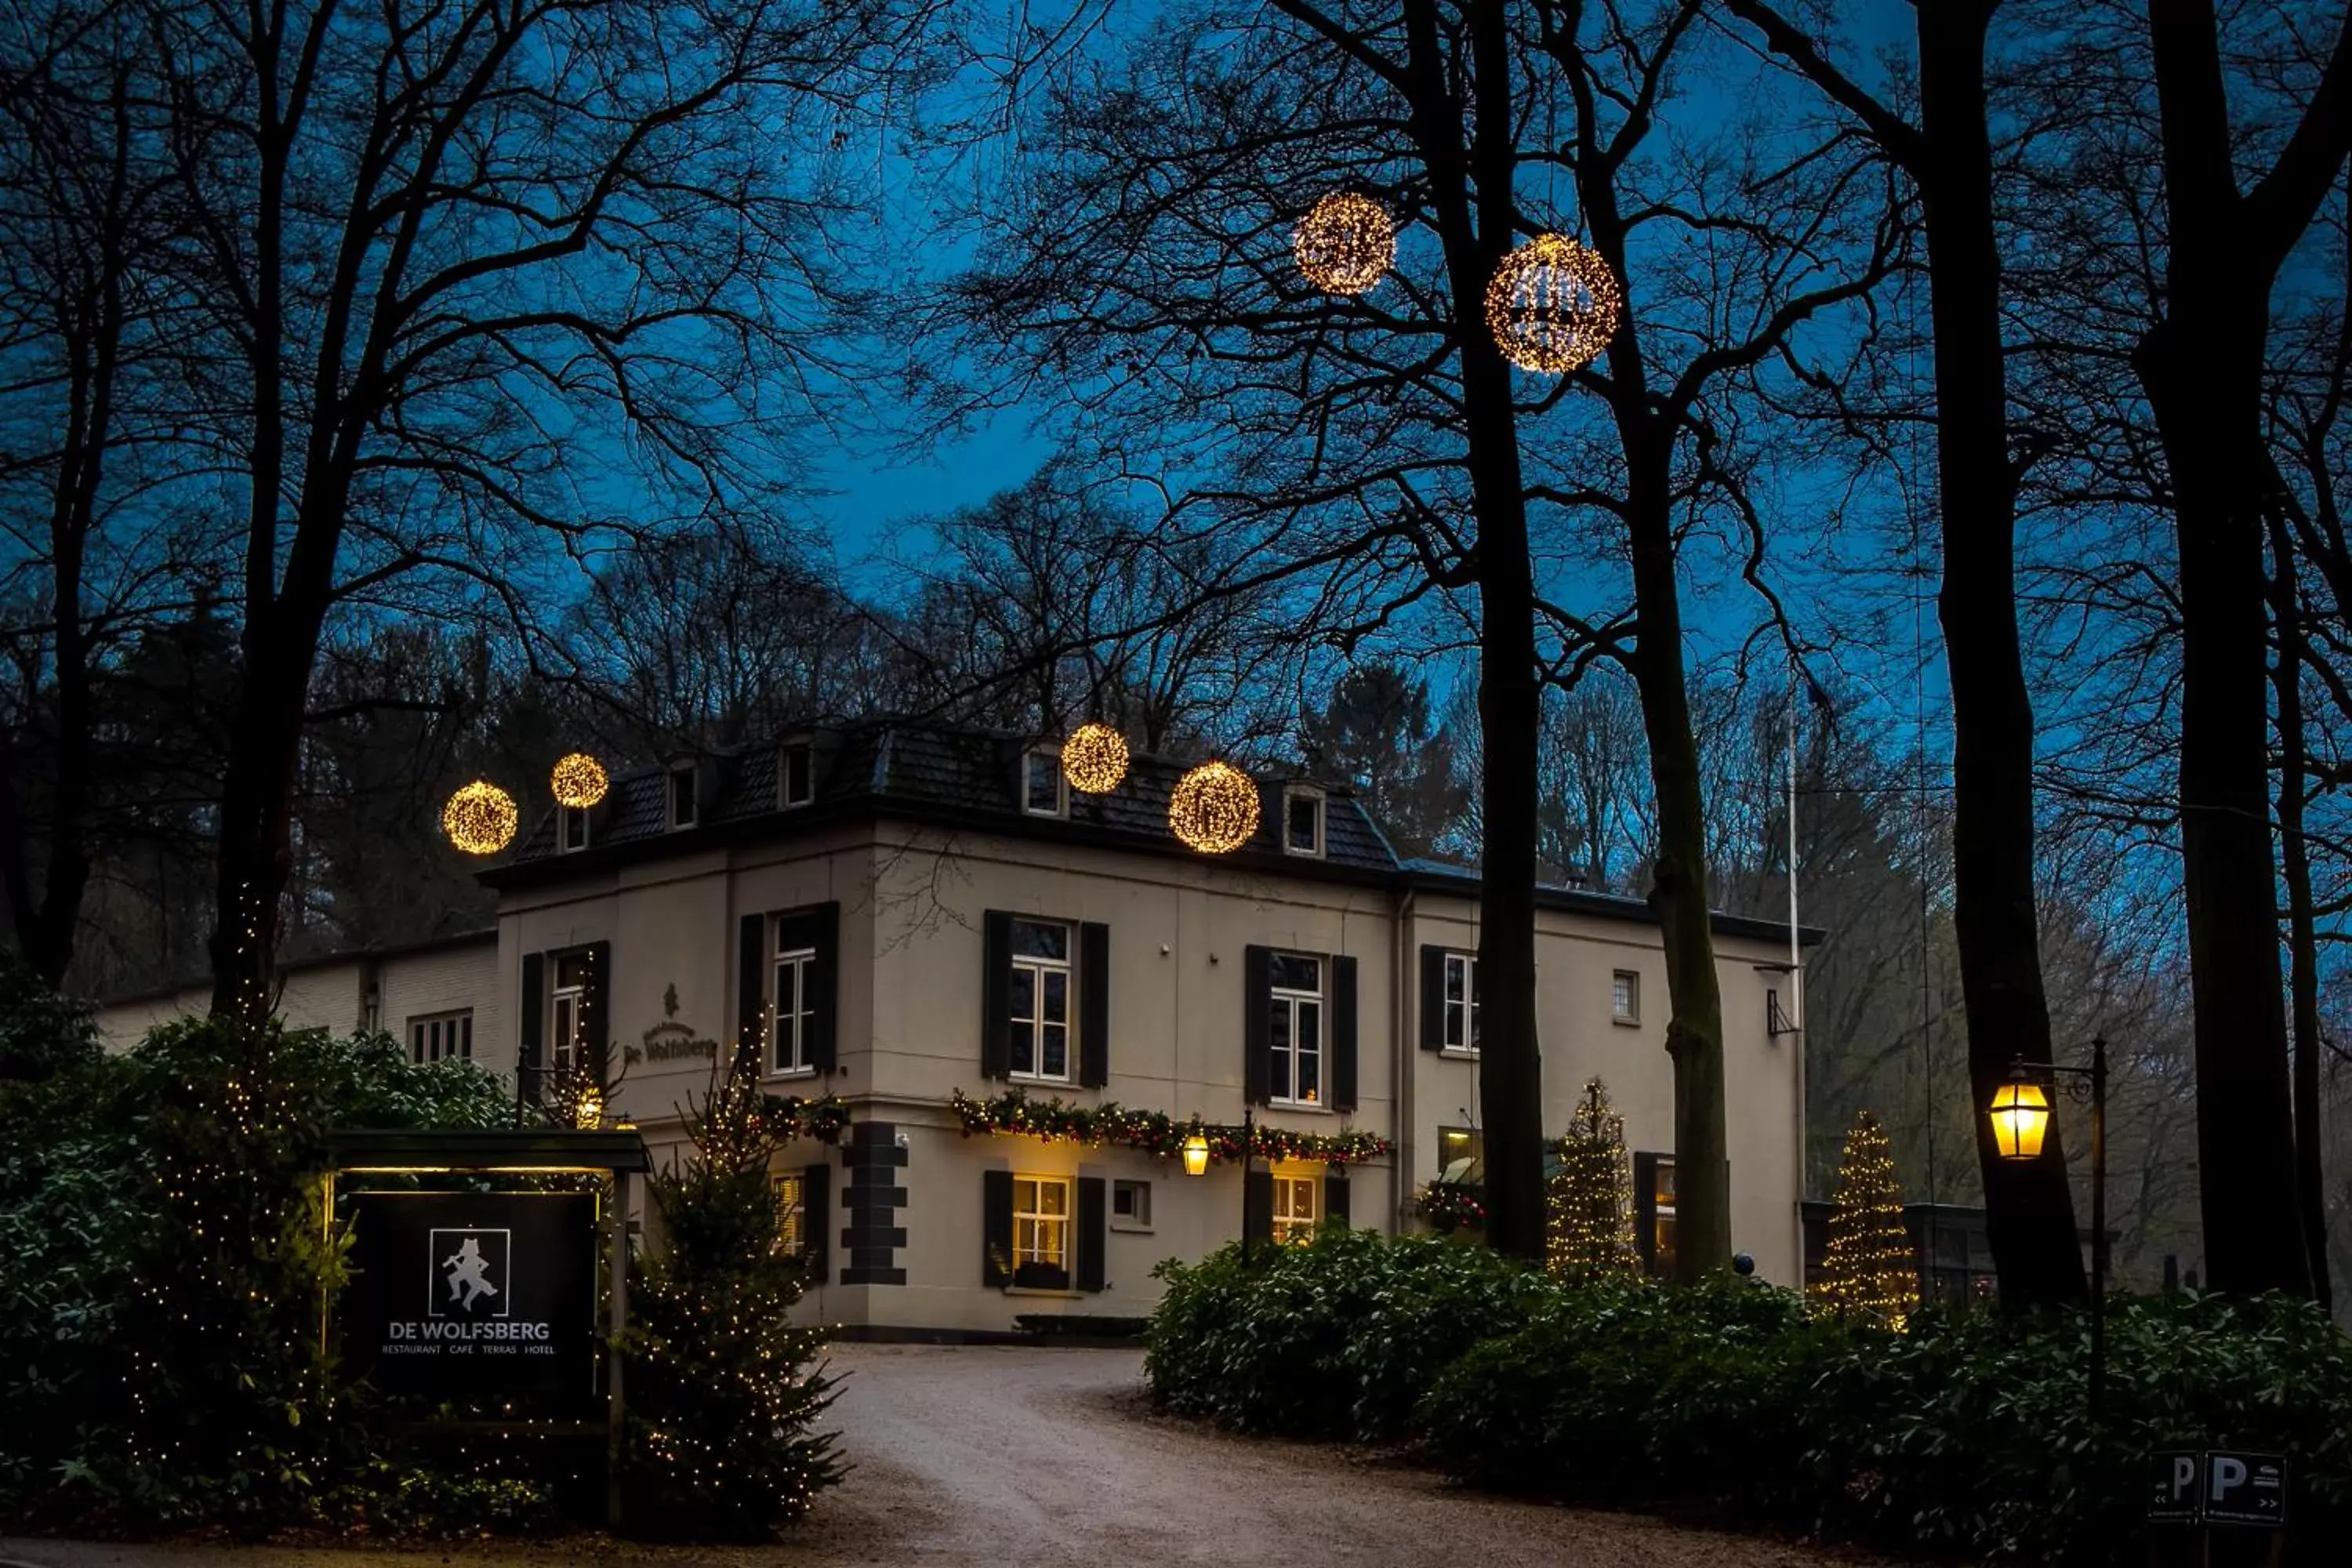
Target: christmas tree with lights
1589,1229
723,1399
1869,1271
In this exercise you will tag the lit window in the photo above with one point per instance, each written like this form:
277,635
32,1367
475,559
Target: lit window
1461,1002
683,802
792,1010
1657,1213
796,776
1296,1030
1293,1208
792,1214
568,1008
1461,1153
1039,999
1044,792
1130,1205
572,828
1040,1231
1625,997
441,1038
1302,821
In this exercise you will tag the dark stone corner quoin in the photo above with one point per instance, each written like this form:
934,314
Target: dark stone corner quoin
873,1196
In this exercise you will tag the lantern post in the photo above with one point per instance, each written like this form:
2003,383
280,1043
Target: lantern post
2021,1113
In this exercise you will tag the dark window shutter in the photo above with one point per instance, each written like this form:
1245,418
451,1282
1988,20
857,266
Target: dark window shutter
816,1217
534,1006
1094,1005
824,981
1646,1211
1433,998
996,1227
1343,1034
1094,1231
1257,1207
1335,1199
596,1011
1257,1028
996,1000
751,990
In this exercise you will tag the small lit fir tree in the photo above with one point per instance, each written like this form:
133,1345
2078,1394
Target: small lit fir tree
723,1399
1869,1271
1590,1220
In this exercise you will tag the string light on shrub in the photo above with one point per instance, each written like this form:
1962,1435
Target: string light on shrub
1213,809
1345,243
1093,759
1869,1271
1553,305
479,818
579,781
1590,1209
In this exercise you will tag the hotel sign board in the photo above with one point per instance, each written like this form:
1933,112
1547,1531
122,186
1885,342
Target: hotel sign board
474,1297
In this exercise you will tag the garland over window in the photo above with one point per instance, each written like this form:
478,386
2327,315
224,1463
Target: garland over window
1015,1115
788,1116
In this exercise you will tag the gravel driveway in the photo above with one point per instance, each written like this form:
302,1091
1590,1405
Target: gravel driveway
1036,1458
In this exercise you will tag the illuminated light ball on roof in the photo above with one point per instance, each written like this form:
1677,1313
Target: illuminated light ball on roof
1213,809
479,818
1553,305
578,781
1345,243
1093,759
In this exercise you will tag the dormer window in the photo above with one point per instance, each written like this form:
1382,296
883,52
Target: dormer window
795,776
1302,821
684,801
571,828
1044,792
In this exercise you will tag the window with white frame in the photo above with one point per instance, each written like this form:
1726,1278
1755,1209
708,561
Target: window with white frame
567,1009
1296,1029
792,1008
1041,1225
441,1037
791,1213
1302,820
795,776
1625,997
1295,1200
1039,1000
685,796
1461,1002
571,828
1044,791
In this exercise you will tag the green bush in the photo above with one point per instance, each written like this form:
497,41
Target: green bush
159,1214
42,1033
1339,1338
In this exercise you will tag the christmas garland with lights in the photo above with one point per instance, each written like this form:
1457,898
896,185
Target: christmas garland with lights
788,1116
1448,1206
1015,1115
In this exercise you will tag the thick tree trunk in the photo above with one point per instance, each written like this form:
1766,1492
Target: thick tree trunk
2028,1205
2201,368
2303,941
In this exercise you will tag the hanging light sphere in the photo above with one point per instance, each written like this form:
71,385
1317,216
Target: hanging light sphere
1553,305
1344,243
1213,809
1093,759
479,818
579,781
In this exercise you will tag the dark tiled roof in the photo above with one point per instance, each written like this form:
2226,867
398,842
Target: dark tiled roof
925,772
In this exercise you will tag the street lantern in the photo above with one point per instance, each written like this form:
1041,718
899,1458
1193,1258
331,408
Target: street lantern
2020,1115
1196,1155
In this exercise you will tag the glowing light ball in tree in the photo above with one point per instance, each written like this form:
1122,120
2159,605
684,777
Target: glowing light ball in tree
1093,759
578,781
1213,809
479,818
1553,305
1869,1271
1590,1209
1345,243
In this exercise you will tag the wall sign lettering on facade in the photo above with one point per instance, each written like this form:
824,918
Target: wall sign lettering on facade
468,1296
